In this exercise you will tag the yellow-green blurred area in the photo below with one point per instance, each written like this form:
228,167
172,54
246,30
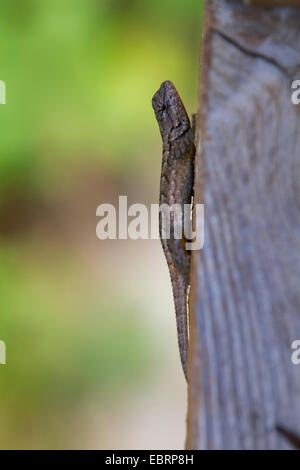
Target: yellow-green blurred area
89,326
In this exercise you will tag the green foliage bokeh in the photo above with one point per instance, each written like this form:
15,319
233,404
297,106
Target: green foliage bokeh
80,75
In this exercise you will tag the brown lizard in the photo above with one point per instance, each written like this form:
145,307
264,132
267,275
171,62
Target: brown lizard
176,187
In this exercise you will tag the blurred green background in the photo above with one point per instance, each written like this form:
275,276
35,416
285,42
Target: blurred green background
92,358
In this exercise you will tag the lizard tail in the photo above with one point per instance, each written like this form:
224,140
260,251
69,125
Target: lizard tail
179,285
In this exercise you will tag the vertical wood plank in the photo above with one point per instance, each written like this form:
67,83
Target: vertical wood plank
244,390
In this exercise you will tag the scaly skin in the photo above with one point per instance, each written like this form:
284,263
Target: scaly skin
176,187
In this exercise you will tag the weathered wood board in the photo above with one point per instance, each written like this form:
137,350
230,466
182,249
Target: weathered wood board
245,294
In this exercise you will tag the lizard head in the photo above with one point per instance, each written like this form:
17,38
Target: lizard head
170,113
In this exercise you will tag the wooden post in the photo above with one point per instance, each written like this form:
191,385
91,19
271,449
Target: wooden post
244,390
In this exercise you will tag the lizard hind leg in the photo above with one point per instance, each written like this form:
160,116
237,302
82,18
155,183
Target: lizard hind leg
180,289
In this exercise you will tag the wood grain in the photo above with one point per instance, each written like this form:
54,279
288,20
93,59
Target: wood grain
245,295
269,3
